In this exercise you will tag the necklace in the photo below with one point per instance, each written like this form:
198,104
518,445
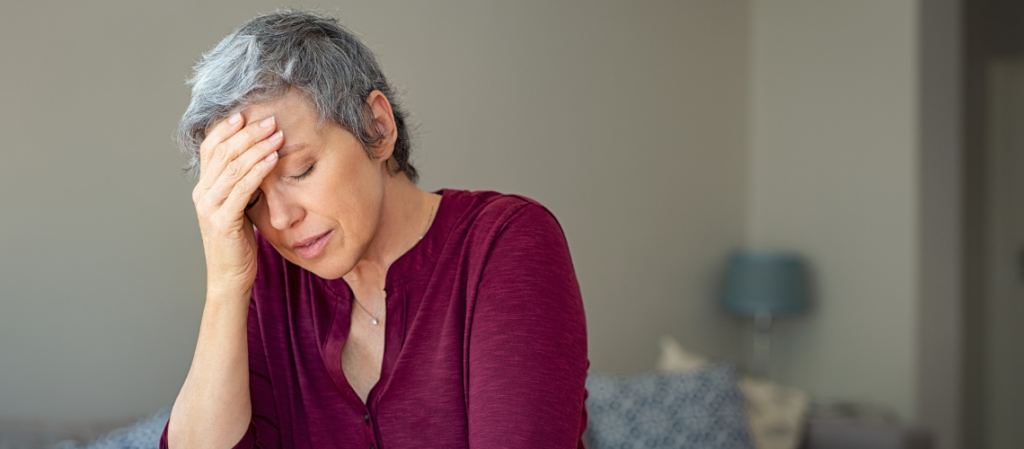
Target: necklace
433,204
376,318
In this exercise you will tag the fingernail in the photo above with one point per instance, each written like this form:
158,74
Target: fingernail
275,137
271,157
235,118
267,122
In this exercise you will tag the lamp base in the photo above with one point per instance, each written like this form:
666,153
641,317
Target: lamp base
762,345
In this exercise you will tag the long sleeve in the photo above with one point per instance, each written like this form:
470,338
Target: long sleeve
528,343
263,431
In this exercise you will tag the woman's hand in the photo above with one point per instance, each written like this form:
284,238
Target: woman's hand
234,159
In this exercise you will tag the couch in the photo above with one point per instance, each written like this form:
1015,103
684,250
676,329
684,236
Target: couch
688,401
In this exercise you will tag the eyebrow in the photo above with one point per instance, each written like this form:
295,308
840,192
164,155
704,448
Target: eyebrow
287,149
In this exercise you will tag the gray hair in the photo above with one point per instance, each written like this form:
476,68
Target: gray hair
268,55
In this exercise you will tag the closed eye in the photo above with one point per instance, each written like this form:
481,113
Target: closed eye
254,200
304,174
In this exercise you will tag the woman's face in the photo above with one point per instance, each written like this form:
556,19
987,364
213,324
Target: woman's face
321,205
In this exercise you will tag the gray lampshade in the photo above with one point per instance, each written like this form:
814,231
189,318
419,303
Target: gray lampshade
759,282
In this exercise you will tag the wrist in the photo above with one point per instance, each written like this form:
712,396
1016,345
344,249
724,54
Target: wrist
228,281
221,293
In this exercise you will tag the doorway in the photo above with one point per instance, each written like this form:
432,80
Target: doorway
1001,329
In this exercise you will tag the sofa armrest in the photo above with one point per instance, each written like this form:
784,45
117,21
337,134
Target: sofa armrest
850,434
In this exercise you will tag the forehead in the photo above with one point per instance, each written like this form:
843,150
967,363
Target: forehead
296,118
299,121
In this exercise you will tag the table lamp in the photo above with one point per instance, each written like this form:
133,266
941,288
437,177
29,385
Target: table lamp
764,284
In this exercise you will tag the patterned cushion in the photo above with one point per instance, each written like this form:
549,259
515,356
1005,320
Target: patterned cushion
701,410
776,415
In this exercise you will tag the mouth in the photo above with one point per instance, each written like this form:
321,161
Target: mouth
311,248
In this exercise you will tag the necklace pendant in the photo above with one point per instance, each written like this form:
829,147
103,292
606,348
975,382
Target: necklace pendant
374,321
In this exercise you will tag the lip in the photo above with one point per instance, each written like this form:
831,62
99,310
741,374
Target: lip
312,247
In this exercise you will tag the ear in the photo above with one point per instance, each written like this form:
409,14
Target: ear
383,120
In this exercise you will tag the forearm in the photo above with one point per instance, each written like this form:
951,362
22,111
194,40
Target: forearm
213,408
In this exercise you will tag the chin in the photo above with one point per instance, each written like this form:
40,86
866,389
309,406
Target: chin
328,274
328,267
324,266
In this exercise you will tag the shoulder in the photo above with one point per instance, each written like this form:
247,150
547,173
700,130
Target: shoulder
497,211
496,228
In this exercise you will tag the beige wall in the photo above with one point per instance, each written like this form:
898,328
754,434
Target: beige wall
834,174
627,120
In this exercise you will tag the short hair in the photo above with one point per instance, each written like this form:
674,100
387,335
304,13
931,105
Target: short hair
272,53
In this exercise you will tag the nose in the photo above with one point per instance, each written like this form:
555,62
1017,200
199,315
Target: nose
284,211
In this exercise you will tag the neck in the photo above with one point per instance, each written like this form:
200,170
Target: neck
405,217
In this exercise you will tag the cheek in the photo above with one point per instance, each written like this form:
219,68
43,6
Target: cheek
350,194
355,219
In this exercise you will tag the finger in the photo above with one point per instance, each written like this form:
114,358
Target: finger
242,140
242,191
220,132
237,170
238,143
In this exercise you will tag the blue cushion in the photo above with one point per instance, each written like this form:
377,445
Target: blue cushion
702,409
144,434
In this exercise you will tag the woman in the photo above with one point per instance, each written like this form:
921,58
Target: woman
363,311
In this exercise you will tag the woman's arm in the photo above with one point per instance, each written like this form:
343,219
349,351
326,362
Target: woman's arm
213,408
263,430
528,340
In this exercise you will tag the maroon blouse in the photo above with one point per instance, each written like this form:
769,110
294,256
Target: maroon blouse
485,341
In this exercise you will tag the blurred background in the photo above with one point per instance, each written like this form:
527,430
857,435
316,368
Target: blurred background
880,139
